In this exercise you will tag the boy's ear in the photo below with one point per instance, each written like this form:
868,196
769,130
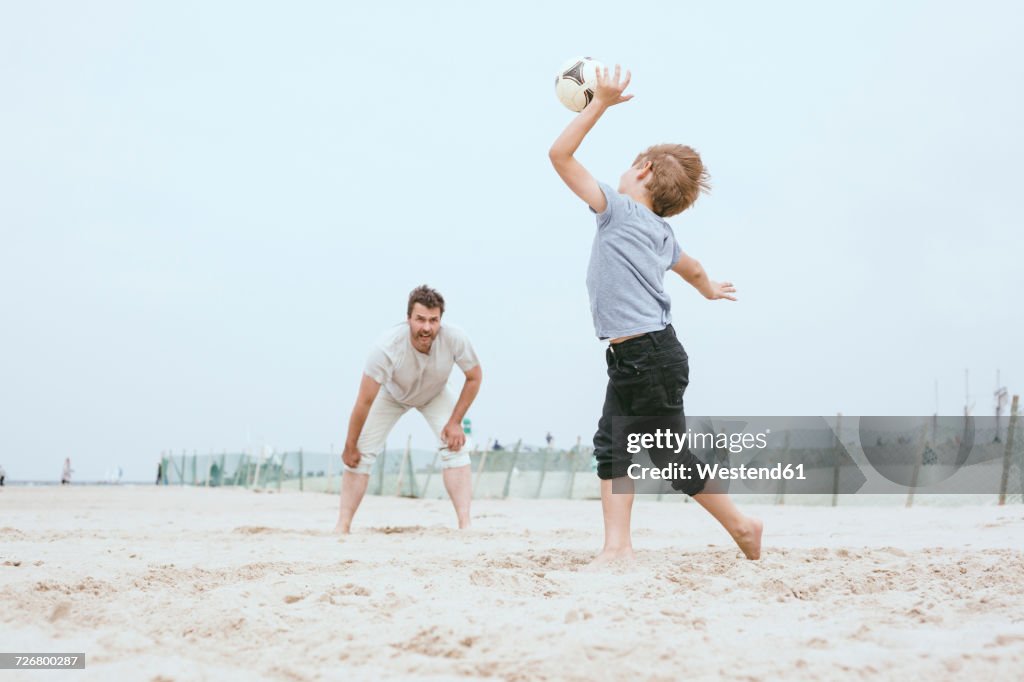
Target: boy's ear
645,170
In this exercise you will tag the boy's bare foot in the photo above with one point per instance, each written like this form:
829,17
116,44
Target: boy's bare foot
340,529
749,537
609,557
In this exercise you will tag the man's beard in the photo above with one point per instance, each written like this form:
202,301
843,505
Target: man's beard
425,338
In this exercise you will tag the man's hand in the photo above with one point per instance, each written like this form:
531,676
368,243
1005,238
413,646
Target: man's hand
453,436
609,91
717,290
351,457
368,389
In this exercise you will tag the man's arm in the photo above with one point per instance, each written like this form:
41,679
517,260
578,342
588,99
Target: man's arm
693,272
608,93
453,435
368,389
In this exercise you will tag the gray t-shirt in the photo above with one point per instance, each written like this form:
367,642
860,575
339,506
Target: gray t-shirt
415,378
633,247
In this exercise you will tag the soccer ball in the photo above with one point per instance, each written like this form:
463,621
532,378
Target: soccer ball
576,81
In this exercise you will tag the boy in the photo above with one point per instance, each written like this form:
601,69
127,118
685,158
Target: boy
647,367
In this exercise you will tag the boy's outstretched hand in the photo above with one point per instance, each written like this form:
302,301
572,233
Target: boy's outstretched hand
609,90
690,269
718,290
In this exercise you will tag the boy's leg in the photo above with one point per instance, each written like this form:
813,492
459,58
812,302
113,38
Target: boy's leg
667,400
383,414
616,495
454,465
617,509
745,530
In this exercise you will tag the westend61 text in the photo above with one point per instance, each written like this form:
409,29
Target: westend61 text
705,472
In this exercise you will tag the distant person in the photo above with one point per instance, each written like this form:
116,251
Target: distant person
549,439
409,368
65,475
497,446
160,471
3,475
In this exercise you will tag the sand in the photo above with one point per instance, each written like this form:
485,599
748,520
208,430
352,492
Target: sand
206,584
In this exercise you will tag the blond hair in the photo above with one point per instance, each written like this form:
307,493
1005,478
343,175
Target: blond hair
677,177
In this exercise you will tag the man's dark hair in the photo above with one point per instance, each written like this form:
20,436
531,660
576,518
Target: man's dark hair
426,297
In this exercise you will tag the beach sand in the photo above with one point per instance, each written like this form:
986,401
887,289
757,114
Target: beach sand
210,584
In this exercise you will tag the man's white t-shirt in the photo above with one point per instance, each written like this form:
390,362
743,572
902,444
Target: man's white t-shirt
414,378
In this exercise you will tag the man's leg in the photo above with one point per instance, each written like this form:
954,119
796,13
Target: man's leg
383,415
459,484
353,487
455,465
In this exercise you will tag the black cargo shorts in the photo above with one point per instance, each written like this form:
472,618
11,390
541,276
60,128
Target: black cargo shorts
647,377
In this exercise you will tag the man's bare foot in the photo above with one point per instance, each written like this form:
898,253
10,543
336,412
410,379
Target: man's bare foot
609,557
749,538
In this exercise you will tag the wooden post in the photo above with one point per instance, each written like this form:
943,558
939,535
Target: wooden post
181,474
1020,460
543,470
401,466
426,485
223,461
280,470
414,488
259,465
508,477
479,470
209,465
302,471
379,467
572,458
918,461
838,451
1008,452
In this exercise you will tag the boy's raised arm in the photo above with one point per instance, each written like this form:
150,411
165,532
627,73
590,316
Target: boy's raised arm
580,181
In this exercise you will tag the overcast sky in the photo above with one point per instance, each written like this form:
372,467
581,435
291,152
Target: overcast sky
209,211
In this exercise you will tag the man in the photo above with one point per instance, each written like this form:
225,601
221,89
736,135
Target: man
409,368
